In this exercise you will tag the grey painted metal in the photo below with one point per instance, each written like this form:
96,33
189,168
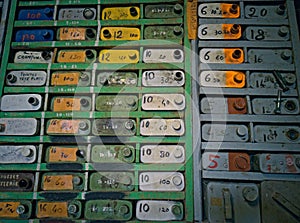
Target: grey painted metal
4,6
254,71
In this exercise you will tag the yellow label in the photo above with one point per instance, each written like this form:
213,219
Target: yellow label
58,182
70,33
192,19
76,56
9,209
235,79
120,33
232,31
66,104
119,56
121,13
52,209
230,10
61,126
65,78
62,154
234,56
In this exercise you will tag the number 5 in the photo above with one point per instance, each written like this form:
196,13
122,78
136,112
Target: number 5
212,158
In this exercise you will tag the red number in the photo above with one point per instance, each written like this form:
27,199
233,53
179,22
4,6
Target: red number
212,158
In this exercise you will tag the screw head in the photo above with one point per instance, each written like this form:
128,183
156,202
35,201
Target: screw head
72,209
250,194
21,209
88,13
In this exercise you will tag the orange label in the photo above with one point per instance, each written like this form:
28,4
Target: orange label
192,19
234,56
237,105
66,104
235,79
61,126
230,10
67,78
52,209
77,56
232,31
58,182
239,162
62,154
71,33
9,209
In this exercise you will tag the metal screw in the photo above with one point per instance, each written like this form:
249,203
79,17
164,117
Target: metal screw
176,125
281,9
46,55
106,34
129,125
234,9
90,33
241,132
176,210
80,153
278,102
48,12
46,35
11,78
177,30
290,105
292,134
33,101
84,77
236,54
21,209
238,78
130,101
178,76
77,180
83,126
239,104
250,194
84,102
178,153
178,9
23,183
178,101
235,29
133,11
290,79
286,54
177,181
89,54
72,209
88,13
177,54
124,210
283,31
126,180
26,152
241,162
126,152
132,57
